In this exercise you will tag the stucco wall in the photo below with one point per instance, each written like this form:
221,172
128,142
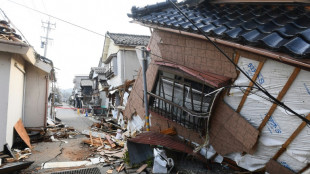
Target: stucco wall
116,80
15,102
35,97
5,64
132,65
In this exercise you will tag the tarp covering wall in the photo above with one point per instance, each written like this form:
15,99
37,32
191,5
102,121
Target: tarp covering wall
281,124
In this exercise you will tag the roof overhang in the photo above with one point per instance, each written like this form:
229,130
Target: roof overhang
273,55
26,51
213,80
43,66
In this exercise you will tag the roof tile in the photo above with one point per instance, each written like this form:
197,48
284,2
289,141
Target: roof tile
129,39
283,29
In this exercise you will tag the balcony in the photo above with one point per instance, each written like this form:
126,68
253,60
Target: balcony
109,73
183,116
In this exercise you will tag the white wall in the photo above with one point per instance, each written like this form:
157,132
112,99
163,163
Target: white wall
5,64
35,96
132,65
15,102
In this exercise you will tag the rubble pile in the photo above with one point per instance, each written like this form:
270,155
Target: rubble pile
108,143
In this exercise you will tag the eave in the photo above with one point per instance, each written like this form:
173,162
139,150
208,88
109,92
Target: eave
273,55
26,51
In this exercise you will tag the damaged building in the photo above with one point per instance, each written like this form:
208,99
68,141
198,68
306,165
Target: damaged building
121,64
193,88
25,79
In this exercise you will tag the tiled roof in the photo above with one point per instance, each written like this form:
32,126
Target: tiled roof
86,82
282,27
98,70
8,33
129,39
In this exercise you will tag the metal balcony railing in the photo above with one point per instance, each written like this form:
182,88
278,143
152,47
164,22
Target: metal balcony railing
109,73
182,115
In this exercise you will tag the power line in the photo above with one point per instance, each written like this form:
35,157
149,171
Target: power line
62,20
276,101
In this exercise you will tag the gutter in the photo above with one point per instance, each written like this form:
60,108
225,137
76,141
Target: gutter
46,101
281,58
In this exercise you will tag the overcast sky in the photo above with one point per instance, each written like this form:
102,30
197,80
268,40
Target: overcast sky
73,50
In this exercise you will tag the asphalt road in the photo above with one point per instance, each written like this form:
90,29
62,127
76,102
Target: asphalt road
72,118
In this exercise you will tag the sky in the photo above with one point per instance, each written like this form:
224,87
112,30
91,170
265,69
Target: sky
73,50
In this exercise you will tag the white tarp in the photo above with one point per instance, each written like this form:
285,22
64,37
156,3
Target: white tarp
282,124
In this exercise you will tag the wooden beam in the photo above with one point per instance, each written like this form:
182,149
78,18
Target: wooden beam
291,138
236,60
280,97
305,168
247,92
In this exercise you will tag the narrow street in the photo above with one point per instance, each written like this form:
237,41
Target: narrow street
70,117
65,150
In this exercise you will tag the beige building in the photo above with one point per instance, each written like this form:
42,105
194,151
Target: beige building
24,88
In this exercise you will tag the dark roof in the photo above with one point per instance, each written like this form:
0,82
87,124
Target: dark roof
129,39
7,32
282,27
86,82
98,70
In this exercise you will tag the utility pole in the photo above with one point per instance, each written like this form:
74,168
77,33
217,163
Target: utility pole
146,106
48,26
44,43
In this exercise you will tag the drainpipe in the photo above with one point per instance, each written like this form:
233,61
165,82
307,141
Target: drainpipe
144,68
24,97
46,98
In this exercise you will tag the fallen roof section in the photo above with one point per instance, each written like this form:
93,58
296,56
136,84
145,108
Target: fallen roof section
155,138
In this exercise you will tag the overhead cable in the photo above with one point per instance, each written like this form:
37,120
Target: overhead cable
261,88
62,20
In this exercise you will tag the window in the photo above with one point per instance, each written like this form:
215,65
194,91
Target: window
181,99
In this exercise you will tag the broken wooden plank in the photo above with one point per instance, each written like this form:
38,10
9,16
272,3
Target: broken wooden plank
121,167
110,141
101,141
91,138
20,129
169,131
94,134
144,166
110,171
280,97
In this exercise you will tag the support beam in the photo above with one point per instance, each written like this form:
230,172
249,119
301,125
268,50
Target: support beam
291,138
247,92
280,97
305,168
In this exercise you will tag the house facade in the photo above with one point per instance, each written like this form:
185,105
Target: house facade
194,88
121,63
25,77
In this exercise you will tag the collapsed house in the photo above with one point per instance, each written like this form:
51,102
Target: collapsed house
25,79
268,41
120,60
